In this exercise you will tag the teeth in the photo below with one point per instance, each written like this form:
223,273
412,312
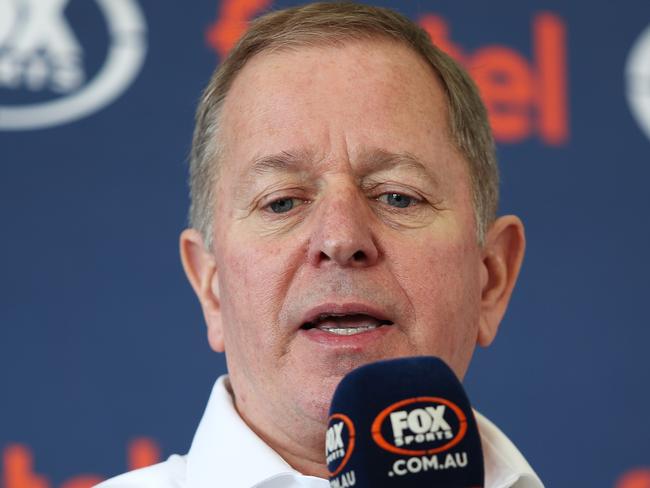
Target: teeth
347,330
345,324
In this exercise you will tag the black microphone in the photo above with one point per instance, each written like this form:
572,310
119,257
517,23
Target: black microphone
403,423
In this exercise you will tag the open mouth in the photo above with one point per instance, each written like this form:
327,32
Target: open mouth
345,324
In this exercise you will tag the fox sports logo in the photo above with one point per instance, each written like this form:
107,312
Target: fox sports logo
44,63
637,73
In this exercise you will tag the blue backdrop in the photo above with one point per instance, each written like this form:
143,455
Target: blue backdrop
104,363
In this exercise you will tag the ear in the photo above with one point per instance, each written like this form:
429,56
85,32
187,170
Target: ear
503,254
201,271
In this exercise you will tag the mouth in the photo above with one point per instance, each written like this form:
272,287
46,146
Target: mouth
345,324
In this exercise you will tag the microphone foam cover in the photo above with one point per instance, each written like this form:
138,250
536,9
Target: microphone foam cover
403,423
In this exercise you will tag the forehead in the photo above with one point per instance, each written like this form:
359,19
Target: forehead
341,99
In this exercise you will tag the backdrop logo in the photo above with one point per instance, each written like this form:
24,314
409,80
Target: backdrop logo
637,73
524,96
40,53
233,17
419,426
18,467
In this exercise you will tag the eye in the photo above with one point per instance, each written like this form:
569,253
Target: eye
398,200
283,205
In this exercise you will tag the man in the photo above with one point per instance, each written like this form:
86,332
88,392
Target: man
344,192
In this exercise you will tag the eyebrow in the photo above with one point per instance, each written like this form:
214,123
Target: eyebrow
368,162
377,160
285,161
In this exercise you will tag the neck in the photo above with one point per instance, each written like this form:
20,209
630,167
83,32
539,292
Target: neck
308,464
302,448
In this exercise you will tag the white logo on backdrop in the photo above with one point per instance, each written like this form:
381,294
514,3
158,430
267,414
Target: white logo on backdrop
637,73
39,51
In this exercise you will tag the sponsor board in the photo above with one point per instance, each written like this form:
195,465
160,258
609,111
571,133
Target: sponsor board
41,53
637,77
525,96
18,466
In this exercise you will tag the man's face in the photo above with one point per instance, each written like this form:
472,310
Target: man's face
344,227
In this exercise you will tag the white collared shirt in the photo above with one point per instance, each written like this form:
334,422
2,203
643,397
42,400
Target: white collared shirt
225,452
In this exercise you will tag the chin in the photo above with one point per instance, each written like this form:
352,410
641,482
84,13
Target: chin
316,395
315,398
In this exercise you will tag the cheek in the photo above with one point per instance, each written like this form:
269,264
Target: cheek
253,281
441,280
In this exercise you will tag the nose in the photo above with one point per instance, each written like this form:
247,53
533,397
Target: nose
342,232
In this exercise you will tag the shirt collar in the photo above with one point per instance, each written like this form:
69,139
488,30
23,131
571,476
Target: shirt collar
224,446
504,465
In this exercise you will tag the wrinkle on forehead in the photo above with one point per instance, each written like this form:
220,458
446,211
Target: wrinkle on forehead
390,69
